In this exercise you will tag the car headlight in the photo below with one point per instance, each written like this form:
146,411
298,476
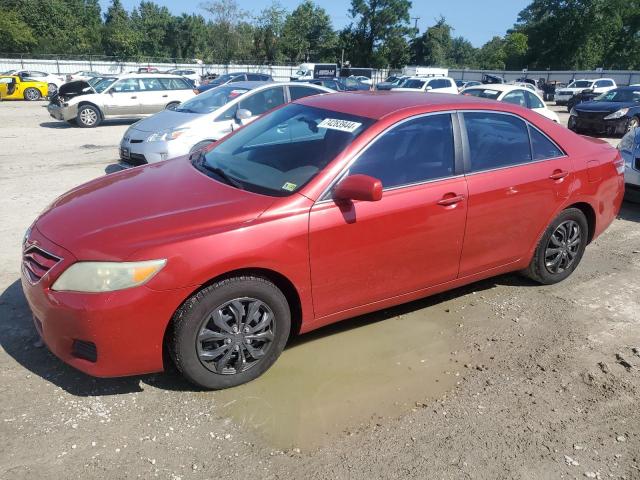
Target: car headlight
619,114
167,135
96,277
573,112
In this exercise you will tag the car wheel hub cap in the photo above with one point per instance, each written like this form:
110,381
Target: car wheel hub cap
88,117
235,336
563,247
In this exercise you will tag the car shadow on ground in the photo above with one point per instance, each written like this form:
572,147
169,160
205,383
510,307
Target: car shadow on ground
630,211
20,341
116,167
105,123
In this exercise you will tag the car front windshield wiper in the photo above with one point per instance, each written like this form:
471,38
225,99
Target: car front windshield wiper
201,161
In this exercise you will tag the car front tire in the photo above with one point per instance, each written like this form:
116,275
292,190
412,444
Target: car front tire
88,116
560,249
230,332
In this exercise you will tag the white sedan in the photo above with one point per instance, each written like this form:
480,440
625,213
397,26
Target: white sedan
513,94
428,84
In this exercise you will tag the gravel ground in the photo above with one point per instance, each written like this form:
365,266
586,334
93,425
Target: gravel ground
502,379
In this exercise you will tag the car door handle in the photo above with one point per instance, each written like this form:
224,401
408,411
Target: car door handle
450,199
165,96
134,97
558,175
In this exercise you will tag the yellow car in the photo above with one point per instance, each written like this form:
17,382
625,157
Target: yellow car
12,87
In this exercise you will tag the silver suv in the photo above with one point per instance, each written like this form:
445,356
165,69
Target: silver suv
132,95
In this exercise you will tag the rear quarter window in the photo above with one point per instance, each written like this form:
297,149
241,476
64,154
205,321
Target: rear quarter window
175,84
542,147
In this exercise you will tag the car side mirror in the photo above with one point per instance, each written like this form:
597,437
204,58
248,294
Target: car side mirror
358,187
243,114
428,89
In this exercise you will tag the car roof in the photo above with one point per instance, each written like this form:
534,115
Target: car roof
499,87
147,75
379,104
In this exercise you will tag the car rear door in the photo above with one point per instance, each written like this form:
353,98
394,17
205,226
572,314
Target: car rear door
153,96
411,239
517,178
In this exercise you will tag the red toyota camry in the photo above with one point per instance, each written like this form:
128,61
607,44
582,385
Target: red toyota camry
330,207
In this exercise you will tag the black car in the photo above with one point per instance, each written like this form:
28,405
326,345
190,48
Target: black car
235,77
612,113
581,97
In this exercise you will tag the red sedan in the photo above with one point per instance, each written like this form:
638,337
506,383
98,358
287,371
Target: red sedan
330,207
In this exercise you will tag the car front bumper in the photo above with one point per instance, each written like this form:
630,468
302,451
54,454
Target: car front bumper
62,113
102,334
135,150
618,126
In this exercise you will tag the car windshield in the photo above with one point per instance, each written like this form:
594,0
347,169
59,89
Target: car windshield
580,84
411,83
282,151
103,84
620,96
9,72
482,92
211,100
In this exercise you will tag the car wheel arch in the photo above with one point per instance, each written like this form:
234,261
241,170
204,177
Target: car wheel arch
285,285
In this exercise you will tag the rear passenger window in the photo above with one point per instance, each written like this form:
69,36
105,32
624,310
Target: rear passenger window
127,85
496,140
516,98
151,84
415,151
174,84
542,147
301,92
534,101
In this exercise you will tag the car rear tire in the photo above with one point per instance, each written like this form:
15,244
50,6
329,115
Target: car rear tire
88,116
32,94
560,249
172,105
52,90
230,332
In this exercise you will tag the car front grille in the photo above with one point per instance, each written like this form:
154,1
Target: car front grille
137,159
592,115
36,262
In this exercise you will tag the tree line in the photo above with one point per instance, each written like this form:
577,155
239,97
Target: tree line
548,34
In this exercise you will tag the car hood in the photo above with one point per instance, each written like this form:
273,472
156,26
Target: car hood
114,216
604,106
165,120
78,87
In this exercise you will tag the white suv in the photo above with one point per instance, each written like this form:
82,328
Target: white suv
132,95
428,84
600,85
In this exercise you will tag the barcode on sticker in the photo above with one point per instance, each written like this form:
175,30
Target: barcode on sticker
337,124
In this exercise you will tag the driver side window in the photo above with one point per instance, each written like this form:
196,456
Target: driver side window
415,151
126,85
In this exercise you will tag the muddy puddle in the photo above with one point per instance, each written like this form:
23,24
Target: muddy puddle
335,380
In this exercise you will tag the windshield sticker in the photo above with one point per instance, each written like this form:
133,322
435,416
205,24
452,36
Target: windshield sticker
289,187
341,125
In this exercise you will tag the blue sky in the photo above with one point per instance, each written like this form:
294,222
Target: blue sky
476,20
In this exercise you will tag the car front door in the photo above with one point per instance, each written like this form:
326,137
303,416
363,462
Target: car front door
123,98
363,252
517,178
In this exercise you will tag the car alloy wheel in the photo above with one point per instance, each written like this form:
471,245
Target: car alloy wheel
31,94
563,247
88,116
53,90
633,123
235,336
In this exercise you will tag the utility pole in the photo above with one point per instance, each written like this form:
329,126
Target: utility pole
415,25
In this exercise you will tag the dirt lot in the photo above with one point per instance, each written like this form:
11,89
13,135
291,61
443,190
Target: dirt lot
503,379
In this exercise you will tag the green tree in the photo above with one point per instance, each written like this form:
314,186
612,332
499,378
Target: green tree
434,46
376,22
516,46
153,23
119,38
492,55
308,34
227,32
188,37
15,35
268,33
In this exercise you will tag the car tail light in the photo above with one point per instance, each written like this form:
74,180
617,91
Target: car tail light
619,163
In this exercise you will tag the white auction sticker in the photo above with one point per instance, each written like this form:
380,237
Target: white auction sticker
337,124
